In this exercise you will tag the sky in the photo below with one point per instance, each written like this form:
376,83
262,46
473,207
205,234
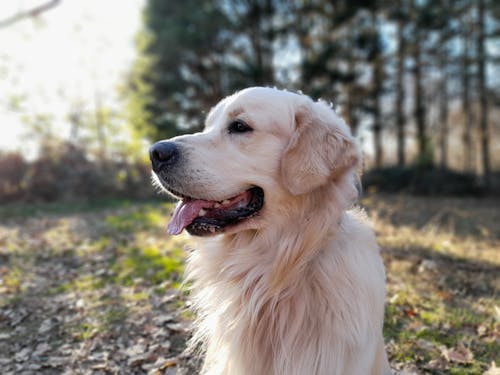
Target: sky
68,54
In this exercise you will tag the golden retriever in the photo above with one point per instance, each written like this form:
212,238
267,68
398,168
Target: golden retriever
287,279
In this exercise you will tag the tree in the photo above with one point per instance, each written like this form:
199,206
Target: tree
402,19
443,111
181,69
377,87
466,90
419,110
252,21
339,42
192,53
483,101
441,51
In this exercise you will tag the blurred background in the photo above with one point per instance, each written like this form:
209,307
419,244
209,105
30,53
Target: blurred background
91,84
90,283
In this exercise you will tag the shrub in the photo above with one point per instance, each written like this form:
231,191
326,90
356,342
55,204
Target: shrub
64,172
13,171
422,181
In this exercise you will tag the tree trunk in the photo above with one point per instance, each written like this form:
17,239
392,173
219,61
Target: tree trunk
377,94
262,37
269,36
443,113
467,113
351,117
483,101
419,106
350,112
400,95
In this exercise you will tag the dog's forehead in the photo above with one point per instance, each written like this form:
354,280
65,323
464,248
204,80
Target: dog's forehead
261,106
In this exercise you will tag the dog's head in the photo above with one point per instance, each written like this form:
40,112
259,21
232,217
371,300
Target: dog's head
260,149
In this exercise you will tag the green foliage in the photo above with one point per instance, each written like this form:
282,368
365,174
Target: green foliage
193,53
331,67
178,72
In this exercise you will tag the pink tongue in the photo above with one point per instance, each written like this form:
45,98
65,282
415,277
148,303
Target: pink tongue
184,214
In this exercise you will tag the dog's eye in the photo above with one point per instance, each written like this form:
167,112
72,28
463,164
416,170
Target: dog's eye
238,126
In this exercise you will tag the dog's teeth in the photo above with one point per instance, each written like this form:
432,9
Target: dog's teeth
211,229
202,212
217,205
226,201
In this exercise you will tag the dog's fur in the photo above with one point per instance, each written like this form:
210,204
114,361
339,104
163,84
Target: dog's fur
298,289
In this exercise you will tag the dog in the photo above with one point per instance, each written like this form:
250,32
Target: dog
288,278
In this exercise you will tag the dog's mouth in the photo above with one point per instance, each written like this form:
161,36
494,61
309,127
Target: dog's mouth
203,217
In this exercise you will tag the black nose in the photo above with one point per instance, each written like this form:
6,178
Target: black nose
163,154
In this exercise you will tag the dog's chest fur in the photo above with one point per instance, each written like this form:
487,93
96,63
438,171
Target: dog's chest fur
262,314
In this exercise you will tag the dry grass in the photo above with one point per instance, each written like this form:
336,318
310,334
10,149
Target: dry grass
443,280
96,288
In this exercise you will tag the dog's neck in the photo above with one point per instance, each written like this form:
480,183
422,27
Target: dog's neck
259,277
287,256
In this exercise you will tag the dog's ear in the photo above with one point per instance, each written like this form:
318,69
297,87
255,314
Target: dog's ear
320,150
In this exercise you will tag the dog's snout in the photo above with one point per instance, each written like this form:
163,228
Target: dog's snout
163,154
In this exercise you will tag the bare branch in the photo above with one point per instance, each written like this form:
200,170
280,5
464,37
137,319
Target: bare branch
34,12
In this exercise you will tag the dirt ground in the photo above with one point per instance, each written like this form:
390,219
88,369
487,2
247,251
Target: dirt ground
97,290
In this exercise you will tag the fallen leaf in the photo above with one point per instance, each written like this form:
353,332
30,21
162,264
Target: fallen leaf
427,265
162,319
169,363
57,361
460,354
23,355
5,361
425,344
41,349
410,312
437,364
482,330
140,359
497,313
135,350
181,327
154,366
46,326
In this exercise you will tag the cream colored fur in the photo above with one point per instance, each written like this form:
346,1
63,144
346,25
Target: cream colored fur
299,289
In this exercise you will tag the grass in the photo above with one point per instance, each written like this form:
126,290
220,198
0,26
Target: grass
106,266
443,266
25,210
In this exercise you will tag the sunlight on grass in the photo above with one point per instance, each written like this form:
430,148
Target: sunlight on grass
82,330
86,283
139,296
111,267
11,280
142,219
442,258
149,264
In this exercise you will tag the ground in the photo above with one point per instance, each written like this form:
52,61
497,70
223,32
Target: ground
96,289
